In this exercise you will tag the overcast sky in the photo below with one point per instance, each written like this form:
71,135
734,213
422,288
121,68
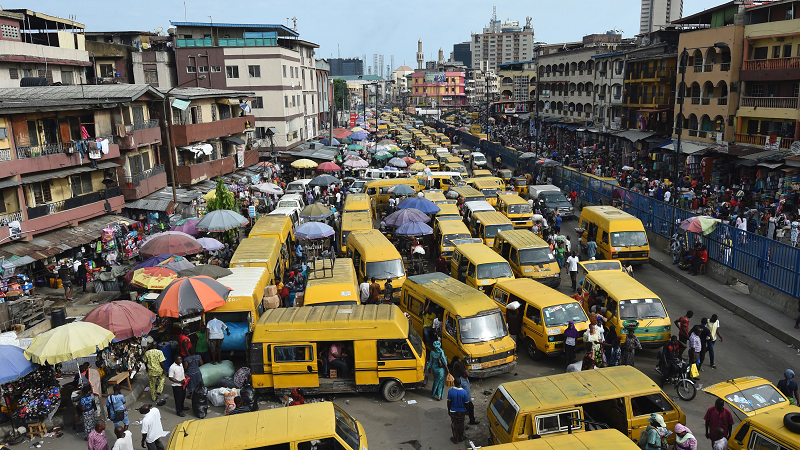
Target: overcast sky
351,28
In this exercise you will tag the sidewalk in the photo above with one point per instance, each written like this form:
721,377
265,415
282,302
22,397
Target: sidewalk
732,299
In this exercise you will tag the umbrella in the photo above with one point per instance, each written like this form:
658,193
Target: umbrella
221,220
265,164
700,224
316,211
546,162
624,194
168,233
153,277
210,195
409,160
170,243
208,270
351,153
414,228
269,188
341,133
313,230
323,181
151,261
326,141
354,147
124,318
187,227
67,342
419,167
356,129
402,189
191,295
385,142
176,263
210,244
420,203
527,155
397,162
183,221
329,167
403,216
382,155
393,149
356,163
345,140
358,136
13,364
304,164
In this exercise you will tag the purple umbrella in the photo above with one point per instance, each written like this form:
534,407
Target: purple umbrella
422,204
187,227
414,228
313,230
325,141
358,136
210,243
402,216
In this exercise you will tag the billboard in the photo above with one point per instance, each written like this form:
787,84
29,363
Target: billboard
353,118
435,77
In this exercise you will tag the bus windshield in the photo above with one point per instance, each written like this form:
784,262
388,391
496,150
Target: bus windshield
482,328
490,192
519,209
346,428
646,308
447,240
628,239
558,315
382,270
491,230
539,255
494,270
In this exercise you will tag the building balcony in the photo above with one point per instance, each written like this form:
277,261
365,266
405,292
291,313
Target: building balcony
773,69
769,102
759,140
145,183
141,134
187,134
25,159
648,101
645,76
196,173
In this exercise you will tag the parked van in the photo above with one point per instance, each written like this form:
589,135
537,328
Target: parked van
333,282
260,252
357,203
374,256
621,397
486,224
447,211
243,305
627,299
325,425
477,160
444,232
290,350
545,315
352,221
585,267
481,173
292,201
378,191
529,256
470,208
437,197
468,194
430,161
596,440
618,234
279,227
517,210
488,188
298,187
440,179
380,174
479,266
473,329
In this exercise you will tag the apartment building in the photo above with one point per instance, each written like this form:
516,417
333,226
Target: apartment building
438,89
269,60
566,83
609,79
502,42
517,88
657,14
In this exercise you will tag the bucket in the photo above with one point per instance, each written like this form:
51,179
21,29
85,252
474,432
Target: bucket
58,317
166,349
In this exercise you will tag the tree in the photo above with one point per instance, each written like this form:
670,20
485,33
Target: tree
223,199
340,93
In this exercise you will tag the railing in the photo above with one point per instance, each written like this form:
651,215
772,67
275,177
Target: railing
137,178
695,100
725,67
698,69
773,63
722,101
72,203
27,151
705,101
5,154
136,126
5,218
707,67
769,102
759,140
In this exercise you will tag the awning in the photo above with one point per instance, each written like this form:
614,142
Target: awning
635,135
181,104
9,183
654,110
771,165
233,140
146,204
50,244
197,149
687,147
52,175
229,101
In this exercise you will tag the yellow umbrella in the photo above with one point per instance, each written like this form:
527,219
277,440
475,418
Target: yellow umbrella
153,277
356,129
419,167
210,195
67,342
304,164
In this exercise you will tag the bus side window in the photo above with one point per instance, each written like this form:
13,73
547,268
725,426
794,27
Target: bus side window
533,314
500,296
471,270
512,257
605,237
450,325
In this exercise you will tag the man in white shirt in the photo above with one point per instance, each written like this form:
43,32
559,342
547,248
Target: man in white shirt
152,431
176,377
124,439
392,203
338,200
215,328
667,196
363,288
572,266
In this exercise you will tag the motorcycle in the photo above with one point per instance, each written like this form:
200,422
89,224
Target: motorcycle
682,380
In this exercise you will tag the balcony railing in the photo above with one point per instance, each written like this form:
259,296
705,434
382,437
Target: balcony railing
770,102
759,140
135,179
136,126
725,67
5,154
705,101
773,63
695,100
27,151
72,203
5,218
707,67
698,69
722,101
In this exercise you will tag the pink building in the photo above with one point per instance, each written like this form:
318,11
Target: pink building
446,88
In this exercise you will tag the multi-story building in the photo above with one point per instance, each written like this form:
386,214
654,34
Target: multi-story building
657,14
399,79
137,57
517,88
502,42
609,79
155,63
36,45
462,54
566,83
438,89
269,60
346,66
324,93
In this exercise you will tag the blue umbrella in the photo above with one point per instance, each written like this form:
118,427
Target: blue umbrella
420,203
403,216
414,228
313,230
326,141
358,136
14,364
152,261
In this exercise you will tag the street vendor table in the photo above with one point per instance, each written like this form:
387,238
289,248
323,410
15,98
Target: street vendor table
120,378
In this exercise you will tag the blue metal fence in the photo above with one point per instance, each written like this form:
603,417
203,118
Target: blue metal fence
768,261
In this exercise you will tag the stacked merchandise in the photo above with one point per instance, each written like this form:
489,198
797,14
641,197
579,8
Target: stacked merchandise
38,394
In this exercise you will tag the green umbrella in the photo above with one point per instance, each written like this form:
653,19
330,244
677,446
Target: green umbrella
183,221
345,140
382,155
316,211
354,147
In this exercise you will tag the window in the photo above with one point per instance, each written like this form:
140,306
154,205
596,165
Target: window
191,69
556,423
500,296
10,32
231,71
327,443
213,112
67,77
258,102
649,404
284,353
394,349
41,192
215,69
284,71
81,184
107,70
254,71
261,132
285,101
760,442
150,76
13,73
505,412
760,52
776,51
787,50
202,69
450,325
757,90
533,314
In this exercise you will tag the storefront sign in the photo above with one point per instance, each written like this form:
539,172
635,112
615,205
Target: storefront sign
353,118
240,156
509,110
722,147
251,210
772,143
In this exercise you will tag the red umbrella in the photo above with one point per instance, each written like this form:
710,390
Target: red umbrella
178,244
409,160
328,167
341,133
191,295
126,319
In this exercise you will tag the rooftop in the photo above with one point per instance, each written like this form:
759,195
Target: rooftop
40,21
283,30
50,98
193,93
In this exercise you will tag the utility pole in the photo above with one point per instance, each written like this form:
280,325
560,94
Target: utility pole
332,110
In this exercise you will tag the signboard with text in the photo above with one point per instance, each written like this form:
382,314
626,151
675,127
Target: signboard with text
353,118
437,77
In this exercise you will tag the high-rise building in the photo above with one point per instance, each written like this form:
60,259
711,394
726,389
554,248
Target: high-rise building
346,66
462,54
502,42
659,13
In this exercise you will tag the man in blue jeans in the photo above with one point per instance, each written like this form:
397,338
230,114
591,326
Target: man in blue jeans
457,406
713,328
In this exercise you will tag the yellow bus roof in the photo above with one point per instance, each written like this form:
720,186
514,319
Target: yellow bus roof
512,199
479,253
491,217
448,209
392,182
356,202
772,421
528,288
452,227
380,247
485,183
522,238
478,173
435,196
575,388
257,251
257,429
620,285
331,285
356,220
317,323
247,285
271,226
451,294
467,191
610,439
609,214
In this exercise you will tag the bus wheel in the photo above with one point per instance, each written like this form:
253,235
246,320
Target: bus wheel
532,351
393,390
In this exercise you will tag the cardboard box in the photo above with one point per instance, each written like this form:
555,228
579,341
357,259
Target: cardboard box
272,302
299,299
270,290
332,373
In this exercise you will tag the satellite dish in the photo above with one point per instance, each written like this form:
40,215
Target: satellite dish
795,148
159,30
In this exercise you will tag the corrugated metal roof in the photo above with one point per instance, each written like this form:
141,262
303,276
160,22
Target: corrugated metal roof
9,183
190,93
43,176
152,204
85,91
235,25
61,240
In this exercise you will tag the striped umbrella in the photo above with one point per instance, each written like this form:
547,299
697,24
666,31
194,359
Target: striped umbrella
192,295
